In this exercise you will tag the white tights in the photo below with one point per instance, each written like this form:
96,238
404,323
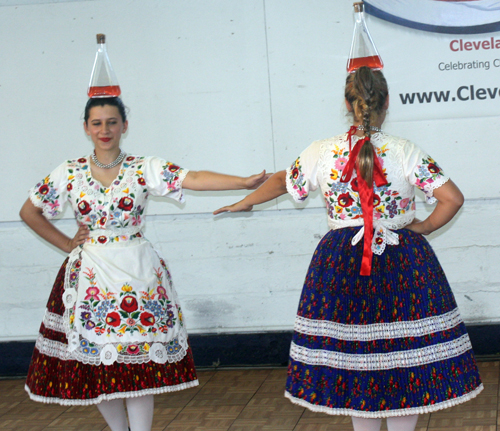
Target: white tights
401,423
140,413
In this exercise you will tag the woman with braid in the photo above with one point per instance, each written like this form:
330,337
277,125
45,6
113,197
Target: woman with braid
377,333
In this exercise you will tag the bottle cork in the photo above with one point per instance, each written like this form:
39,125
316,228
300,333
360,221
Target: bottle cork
101,38
358,6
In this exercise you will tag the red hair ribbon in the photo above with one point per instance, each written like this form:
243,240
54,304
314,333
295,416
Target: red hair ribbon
366,195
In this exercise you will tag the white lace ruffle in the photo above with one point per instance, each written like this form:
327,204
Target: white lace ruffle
113,396
39,204
106,354
53,321
54,349
386,413
429,191
381,361
378,331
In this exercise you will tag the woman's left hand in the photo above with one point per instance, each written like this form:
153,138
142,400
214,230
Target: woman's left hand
254,181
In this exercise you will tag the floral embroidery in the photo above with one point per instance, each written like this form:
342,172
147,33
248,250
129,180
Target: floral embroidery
146,312
298,180
48,194
427,173
171,175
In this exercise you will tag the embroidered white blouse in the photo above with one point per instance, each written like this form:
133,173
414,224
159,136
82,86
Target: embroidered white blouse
404,165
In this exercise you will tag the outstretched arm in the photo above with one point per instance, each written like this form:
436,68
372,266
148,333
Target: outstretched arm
34,218
271,189
450,199
206,180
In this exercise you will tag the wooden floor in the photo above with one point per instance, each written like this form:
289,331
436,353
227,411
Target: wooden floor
238,400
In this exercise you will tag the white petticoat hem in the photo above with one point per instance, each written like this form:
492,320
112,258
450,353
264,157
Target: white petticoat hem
113,396
386,413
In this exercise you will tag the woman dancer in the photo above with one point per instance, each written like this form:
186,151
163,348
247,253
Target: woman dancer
113,327
378,333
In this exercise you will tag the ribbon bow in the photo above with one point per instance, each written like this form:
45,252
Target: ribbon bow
366,195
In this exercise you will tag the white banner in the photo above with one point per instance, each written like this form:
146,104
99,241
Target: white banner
440,16
438,59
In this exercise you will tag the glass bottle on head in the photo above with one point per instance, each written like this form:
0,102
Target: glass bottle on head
363,50
103,82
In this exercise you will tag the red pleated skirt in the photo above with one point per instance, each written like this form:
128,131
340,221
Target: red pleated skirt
52,379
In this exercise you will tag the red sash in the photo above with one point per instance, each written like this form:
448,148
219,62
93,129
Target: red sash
366,195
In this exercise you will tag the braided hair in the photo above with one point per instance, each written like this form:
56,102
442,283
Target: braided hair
366,91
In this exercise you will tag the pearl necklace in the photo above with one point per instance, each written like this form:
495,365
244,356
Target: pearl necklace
372,128
117,161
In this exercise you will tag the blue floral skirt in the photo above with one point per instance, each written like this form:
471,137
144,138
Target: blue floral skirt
390,344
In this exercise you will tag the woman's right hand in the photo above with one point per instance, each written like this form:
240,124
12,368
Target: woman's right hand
237,207
417,226
81,235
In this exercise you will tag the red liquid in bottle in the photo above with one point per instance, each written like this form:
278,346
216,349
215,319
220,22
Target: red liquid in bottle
373,62
107,91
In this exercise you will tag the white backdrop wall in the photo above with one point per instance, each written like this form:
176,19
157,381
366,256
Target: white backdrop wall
237,87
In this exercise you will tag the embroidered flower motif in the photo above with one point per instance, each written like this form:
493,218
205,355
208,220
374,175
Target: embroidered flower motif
103,220
102,239
340,163
404,203
90,324
129,304
162,293
433,169
86,315
69,187
345,200
173,168
92,293
44,189
82,160
113,319
127,288
84,207
130,158
334,174
126,203
133,349
147,319
141,181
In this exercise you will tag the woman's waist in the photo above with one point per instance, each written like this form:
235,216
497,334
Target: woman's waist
107,237
397,222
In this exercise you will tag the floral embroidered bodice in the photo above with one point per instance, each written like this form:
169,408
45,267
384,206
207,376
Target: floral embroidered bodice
120,303
109,210
404,165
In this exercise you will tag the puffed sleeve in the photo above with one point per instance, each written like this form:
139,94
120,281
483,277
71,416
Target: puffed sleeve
164,178
302,176
422,171
51,193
